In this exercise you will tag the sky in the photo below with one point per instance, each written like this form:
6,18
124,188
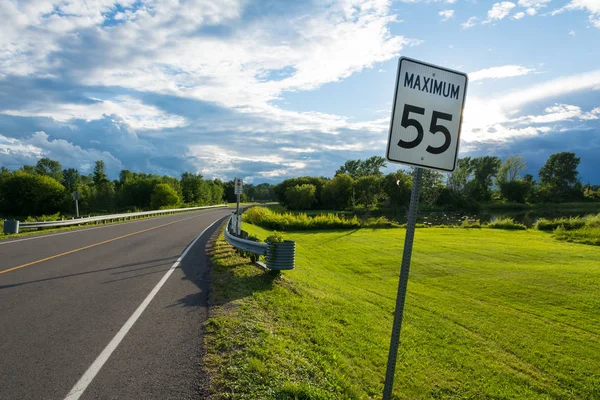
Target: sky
266,90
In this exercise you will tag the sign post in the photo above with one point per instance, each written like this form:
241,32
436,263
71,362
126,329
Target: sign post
426,96
238,192
76,198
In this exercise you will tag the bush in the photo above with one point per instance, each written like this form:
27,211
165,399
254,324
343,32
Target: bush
568,224
506,223
470,224
593,221
585,235
164,197
42,218
268,219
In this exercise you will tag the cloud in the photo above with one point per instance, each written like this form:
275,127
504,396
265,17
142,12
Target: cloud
446,14
499,72
501,113
591,6
559,113
533,6
499,11
266,56
132,111
14,153
518,15
471,22
555,87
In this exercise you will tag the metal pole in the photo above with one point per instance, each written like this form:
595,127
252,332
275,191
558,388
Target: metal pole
404,270
237,217
77,207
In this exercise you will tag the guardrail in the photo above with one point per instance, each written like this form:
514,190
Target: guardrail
13,226
279,256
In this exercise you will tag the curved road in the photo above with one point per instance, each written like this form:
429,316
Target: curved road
107,312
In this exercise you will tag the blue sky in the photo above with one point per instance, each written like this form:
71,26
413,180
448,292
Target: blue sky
268,90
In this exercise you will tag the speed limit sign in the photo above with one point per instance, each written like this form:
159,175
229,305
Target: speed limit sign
427,115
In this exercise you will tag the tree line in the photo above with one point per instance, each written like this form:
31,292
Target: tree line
476,180
46,188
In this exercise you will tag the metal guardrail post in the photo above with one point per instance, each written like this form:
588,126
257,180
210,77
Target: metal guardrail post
280,256
11,226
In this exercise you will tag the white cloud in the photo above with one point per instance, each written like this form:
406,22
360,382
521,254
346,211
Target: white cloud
493,119
238,71
506,71
572,33
446,14
471,22
560,112
519,15
132,111
591,6
499,11
555,87
39,145
534,4
531,11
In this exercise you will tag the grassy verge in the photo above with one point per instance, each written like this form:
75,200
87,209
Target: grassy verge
490,314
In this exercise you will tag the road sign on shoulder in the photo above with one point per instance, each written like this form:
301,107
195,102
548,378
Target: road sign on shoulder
75,195
238,186
427,115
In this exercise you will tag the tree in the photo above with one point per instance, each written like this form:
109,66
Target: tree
457,181
300,197
191,186
372,166
350,167
397,186
484,170
517,190
125,175
164,195
432,184
510,169
358,168
99,172
50,168
281,189
337,193
559,175
24,194
369,190
71,179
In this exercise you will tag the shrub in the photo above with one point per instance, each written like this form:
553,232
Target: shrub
164,196
268,219
593,220
275,237
470,224
41,218
568,224
506,223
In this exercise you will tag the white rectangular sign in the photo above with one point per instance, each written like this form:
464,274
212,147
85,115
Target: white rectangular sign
238,186
427,115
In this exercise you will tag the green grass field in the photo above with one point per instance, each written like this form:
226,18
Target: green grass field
490,314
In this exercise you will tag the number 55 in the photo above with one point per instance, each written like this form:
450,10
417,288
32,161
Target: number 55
433,128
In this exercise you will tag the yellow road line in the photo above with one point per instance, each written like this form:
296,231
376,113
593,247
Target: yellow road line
93,245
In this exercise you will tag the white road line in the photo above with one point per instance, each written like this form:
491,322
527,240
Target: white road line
93,370
88,229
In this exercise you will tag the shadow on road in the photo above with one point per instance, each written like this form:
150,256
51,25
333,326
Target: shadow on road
124,269
233,277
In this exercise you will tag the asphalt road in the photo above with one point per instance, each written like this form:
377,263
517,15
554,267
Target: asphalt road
67,301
